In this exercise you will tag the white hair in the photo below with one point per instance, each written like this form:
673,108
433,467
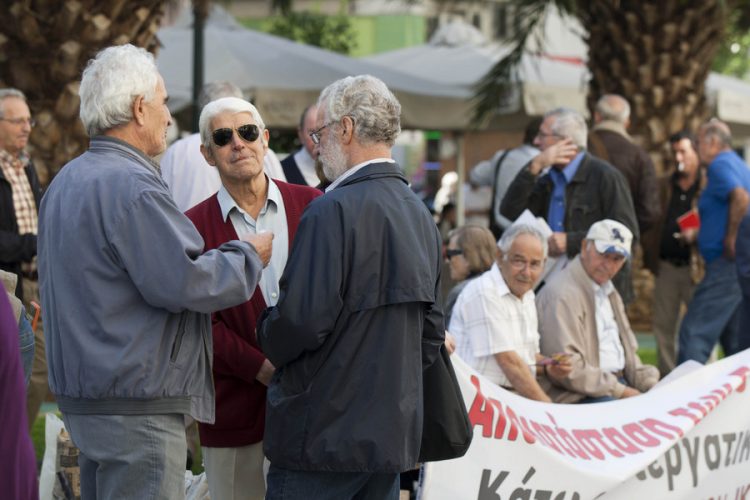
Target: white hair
375,110
516,230
111,82
231,104
7,94
569,123
613,107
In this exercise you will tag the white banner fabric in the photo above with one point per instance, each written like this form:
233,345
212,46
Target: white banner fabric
687,438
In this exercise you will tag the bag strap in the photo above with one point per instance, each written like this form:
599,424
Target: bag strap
494,227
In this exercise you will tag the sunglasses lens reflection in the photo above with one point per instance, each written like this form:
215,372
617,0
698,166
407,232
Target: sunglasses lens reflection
223,136
249,132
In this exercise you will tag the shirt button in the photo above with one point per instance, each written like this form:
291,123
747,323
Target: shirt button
274,295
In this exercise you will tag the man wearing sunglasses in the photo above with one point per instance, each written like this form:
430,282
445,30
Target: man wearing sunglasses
127,290
359,315
234,140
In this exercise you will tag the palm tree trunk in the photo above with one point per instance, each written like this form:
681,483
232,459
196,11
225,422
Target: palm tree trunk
43,50
656,53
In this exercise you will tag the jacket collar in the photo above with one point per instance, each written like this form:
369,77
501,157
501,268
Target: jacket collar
612,126
103,142
375,171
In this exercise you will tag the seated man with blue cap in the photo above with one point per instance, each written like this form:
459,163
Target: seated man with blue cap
582,314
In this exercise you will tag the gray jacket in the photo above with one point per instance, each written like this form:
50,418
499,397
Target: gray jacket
127,291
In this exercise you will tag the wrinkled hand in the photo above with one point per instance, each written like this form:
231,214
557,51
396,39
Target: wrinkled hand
558,244
560,370
630,392
560,153
265,373
450,342
263,244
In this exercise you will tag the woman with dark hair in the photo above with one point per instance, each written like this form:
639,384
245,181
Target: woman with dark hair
470,252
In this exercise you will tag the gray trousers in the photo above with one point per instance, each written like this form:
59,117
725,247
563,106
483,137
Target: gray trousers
673,290
130,456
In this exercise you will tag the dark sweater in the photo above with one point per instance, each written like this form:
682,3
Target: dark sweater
240,398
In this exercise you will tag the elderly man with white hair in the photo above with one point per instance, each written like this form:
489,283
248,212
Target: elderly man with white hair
234,140
127,290
581,314
571,189
359,316
494,320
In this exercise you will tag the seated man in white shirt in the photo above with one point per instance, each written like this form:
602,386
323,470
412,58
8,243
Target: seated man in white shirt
582,314
494,320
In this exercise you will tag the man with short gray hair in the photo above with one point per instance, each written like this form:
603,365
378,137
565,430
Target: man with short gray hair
610,141
127,290
235,141
570,189
192,180
358,317
494,321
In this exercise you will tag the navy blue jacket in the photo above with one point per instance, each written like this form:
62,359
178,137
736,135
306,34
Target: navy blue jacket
357,321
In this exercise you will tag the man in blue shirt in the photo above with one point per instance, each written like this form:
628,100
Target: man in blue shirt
577,190
713,312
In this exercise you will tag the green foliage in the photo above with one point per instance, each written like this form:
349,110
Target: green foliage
329,32
733,57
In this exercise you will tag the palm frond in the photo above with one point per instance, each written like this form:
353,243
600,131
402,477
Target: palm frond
494,89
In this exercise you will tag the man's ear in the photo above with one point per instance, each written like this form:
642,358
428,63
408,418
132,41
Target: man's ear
208,155
347,135
139,110
266,137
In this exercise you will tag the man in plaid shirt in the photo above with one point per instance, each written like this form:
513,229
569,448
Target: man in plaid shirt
20,194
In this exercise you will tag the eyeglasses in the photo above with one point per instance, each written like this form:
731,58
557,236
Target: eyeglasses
315,134
452,252
223,136
519,263
542,134
20,121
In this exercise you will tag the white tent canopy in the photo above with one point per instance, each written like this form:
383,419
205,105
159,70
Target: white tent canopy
458,55
282,77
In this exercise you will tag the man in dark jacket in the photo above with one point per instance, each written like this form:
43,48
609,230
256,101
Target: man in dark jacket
610,141
358,317
577,190
20,195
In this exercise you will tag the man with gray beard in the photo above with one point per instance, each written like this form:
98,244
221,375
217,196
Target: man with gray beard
358,317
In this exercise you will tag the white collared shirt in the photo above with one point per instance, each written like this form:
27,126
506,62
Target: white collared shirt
272,217
611,353
487,319
356,168
306,166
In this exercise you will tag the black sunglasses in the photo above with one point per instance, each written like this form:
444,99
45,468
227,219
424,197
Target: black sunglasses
223,136
452,252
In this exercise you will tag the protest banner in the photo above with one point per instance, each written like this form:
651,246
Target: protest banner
687,438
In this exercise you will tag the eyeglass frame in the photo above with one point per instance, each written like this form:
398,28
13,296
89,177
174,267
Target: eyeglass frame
452,252
519,263
315,134
20,121
541,134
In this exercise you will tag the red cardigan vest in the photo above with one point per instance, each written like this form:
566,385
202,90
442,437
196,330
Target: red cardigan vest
240,398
